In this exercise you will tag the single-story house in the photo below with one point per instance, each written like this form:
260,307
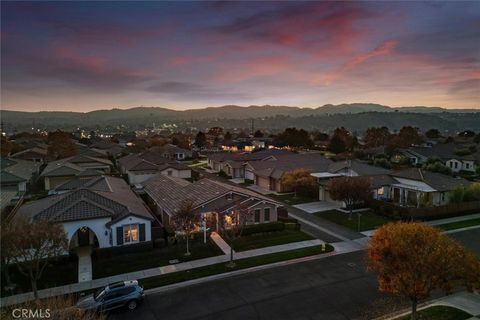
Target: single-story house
35,154
417,187
212,200
141,167
101,212
172,152
15,176
60,171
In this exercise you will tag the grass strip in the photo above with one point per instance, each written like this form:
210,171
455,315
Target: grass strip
220,268
439,313
459,224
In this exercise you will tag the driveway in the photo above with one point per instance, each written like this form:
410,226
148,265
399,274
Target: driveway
318,206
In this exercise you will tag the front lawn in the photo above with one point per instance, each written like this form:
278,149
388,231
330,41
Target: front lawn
57,273
261,240
368,220
219,268
290,199
440,313
129,262
459,224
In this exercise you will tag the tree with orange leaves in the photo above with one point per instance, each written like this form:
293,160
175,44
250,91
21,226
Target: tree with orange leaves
414,259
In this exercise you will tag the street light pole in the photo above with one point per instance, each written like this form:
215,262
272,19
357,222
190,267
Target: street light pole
359,214
204,228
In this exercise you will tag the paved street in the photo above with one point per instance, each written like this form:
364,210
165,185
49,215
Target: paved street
332,288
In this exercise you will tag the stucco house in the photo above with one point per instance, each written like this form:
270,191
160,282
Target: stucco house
60,171
14,179
35,154
143,166
101,212
212,200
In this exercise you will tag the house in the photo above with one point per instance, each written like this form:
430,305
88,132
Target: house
101,212
268,173
112,149
417,187
34,154
350,168
60,171
172,152
141,167
228,161
457,157
14,178
212,200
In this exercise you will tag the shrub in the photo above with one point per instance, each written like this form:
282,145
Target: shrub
292,226
159,243
126,249
472,192
382,162
287,220
222,174
263,228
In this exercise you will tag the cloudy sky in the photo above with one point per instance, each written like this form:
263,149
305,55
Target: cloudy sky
82,56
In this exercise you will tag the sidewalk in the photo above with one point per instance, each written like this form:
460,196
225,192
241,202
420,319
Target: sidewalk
220,243
96,283
466,301
84,264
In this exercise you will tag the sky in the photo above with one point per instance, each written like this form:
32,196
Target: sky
82,56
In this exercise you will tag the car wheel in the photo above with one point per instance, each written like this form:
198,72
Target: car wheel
132,304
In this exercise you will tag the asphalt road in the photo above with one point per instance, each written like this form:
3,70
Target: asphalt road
332,288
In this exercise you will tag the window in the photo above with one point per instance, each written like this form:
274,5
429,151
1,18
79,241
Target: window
229,196
266,214
169,172
257,216
456,165
467,165
381,191
130,233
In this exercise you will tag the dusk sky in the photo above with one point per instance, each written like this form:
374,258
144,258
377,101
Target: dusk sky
81,56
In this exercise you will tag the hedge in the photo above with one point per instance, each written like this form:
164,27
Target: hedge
263,227
131,248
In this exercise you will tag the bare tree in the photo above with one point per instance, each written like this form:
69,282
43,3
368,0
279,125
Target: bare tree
186,220
351,190
34,245
233,224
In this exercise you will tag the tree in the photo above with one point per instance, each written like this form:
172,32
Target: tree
320,136
432,134
34,245
351,190
200,139
336,145
227,136
376,137
6,253
186,220
414,259
295,138
5,146
258,134
233,224
298,179
61,145
466,134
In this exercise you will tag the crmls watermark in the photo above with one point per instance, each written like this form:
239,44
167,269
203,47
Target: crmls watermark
31,313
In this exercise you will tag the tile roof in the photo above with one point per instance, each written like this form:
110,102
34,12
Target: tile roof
73,166
8,178
169,192
24,169
99,197
361,168
437,181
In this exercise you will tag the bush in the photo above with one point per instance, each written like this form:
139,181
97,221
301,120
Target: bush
222,174
263,228
292,226
382,162
125,249
472,192
159,243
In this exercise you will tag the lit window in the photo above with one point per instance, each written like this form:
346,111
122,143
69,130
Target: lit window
130,233
381,190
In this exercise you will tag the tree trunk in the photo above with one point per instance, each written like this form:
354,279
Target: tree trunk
350,213
188,251
34,288
413,316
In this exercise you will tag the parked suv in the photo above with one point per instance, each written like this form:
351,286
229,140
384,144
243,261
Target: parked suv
116,295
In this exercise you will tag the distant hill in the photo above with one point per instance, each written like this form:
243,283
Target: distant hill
373,114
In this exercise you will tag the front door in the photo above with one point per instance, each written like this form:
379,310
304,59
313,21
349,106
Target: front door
83,237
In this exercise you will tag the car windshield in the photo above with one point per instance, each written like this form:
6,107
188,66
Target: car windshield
99,294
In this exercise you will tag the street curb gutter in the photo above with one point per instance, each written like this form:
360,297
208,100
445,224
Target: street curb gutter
240,272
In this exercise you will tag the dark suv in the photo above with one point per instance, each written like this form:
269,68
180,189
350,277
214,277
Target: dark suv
116,295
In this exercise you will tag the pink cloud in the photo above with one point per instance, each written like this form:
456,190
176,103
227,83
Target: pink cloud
383,49
179,60
255,67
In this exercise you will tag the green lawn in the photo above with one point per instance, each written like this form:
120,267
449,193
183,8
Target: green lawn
291,199
129,262
440,313
459,224
261,240
57,273
219,268
368,220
